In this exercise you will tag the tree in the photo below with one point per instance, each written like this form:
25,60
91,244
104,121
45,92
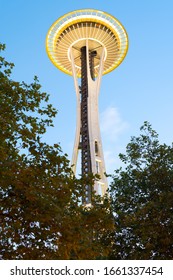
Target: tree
35,177
40,213
142,196
88,238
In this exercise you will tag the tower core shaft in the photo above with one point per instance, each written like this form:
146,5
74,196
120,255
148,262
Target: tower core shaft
85,143
84,129
87,131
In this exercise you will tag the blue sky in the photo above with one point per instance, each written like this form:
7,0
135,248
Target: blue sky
140,89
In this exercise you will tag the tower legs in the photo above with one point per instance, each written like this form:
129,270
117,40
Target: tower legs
88,137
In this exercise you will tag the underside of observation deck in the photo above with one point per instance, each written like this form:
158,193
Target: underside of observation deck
99,28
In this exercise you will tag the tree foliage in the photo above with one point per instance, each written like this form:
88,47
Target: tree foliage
40,213
142,199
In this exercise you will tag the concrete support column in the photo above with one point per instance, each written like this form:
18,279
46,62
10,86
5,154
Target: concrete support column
95,144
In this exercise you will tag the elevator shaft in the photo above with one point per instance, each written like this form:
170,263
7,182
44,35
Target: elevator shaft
86,165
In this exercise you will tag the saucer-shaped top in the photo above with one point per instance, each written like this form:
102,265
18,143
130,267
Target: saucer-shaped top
100,29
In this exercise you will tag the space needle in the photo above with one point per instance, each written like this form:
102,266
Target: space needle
87,44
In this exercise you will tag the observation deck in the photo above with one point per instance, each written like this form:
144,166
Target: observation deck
100,29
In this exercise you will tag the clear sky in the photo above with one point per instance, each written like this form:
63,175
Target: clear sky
140,89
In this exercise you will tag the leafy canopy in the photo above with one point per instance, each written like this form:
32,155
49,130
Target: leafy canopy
40,214
142,196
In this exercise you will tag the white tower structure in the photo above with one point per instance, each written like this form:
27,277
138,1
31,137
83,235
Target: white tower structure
87,44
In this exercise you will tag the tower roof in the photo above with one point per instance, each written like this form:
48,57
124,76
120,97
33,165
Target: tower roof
73,29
